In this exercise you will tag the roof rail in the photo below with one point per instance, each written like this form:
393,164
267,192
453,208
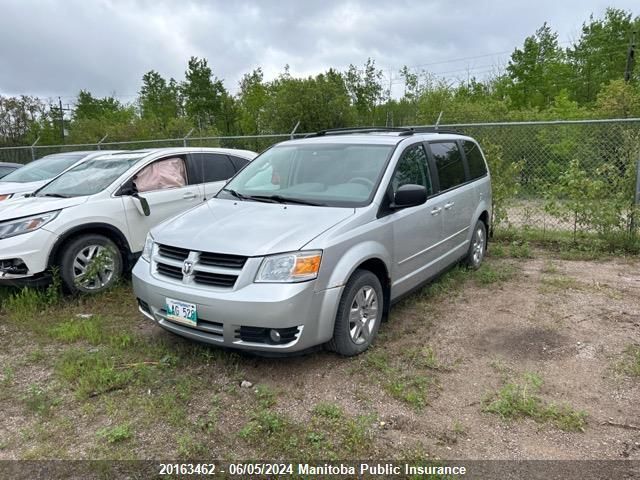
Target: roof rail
434,130
349,130
402,131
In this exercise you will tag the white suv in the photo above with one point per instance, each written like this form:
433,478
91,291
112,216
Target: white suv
25,180
91,221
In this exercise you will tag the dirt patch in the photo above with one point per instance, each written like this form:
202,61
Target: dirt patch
421,390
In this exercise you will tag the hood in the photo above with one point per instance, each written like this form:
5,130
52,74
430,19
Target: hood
249,228
15,187
25,207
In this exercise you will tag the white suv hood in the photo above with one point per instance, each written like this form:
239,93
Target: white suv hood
248,228
25,207
7,188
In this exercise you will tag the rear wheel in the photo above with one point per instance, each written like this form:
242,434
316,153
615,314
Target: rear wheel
90,264
478,246
359,314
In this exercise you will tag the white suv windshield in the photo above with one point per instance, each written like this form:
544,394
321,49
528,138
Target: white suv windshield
340,175
43,169
88,178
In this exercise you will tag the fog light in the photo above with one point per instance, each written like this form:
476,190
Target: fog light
275,336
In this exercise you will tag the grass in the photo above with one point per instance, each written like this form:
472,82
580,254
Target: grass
116,434
630,362
409,385
559,283
586,246
39,401
329,434
520,400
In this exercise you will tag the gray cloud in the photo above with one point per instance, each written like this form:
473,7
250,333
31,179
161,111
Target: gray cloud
51,48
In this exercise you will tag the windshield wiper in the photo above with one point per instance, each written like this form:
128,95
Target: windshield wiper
55,195
281,199
238,195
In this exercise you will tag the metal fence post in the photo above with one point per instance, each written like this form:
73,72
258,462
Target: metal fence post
102,140
636,200
33,150
184,140
293,132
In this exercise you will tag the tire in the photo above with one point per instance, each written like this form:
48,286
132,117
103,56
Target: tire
477,247
363,288
94,256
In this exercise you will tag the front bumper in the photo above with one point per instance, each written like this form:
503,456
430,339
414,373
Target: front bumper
24,258
224,313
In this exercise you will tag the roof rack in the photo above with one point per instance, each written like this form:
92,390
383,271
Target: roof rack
402,131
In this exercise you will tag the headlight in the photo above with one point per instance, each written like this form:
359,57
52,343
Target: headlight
290,267
18,226
6,196
148,248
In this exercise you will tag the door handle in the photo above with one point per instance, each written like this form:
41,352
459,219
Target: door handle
189,196
447,206
436,211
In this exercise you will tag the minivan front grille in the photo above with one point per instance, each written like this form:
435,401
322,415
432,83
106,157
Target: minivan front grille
222,260
216,279
169,271
203,264
174,253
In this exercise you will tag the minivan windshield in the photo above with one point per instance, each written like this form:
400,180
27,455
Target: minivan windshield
88,178
336,175
43,168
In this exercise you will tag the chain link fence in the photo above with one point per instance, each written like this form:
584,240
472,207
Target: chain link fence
574,176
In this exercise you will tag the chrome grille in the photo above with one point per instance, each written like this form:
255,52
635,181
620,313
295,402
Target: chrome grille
173,252
168,262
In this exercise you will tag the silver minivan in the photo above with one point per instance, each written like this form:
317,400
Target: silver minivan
314,240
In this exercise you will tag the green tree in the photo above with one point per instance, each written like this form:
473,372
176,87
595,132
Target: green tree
538,71
21,118
600,54
365,89
159,99
203,94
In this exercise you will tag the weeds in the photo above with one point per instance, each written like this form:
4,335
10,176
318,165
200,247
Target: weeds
401,383
115,434
517,400
630,363
39,401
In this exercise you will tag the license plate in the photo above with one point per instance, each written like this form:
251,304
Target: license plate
181,312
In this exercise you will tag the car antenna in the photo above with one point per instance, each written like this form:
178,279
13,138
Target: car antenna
438,120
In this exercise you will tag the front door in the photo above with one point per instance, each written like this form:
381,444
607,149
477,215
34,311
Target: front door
164,184
417,231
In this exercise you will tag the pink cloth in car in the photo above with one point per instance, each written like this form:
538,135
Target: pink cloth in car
169,173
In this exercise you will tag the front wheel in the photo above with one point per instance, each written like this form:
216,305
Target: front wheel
90,264
478,246
359,314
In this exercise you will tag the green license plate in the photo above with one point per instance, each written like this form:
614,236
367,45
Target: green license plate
181,312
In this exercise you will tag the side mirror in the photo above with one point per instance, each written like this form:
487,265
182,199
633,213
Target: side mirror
409,195
142,205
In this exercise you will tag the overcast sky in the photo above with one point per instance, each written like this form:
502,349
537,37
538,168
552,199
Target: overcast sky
55,48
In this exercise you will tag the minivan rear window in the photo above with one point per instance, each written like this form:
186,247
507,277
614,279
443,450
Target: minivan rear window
475,161
448,163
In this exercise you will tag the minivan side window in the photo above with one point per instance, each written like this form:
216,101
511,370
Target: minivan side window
412,168
475,161
448,163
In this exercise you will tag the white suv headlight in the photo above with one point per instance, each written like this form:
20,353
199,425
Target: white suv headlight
290,267
18,226
6,196
148,248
